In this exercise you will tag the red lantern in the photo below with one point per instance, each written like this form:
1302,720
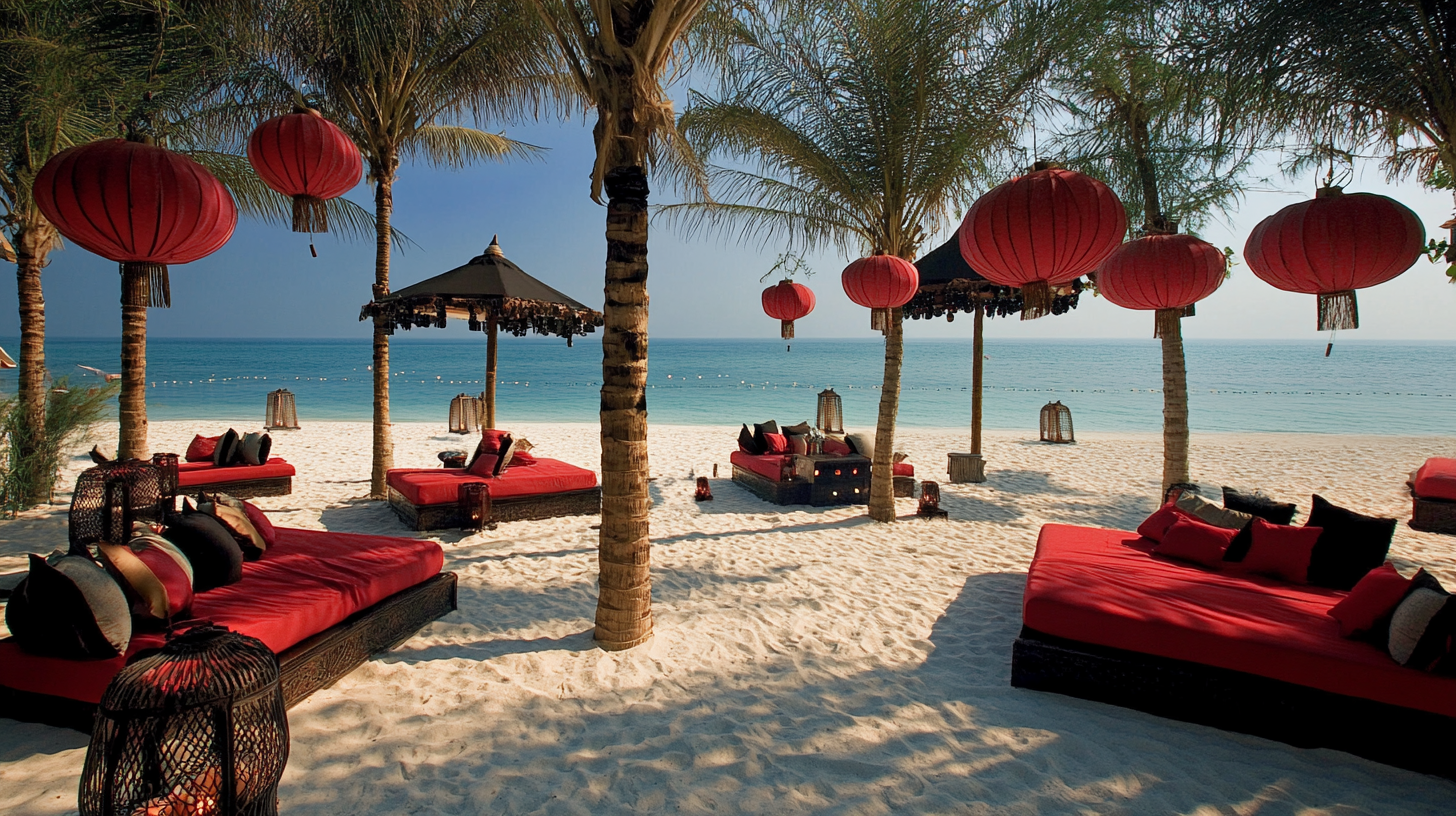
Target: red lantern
788,301
1332,246
304,155
880,282
1166,273
137,204
1043,229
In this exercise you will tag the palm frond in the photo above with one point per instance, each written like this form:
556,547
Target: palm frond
459,146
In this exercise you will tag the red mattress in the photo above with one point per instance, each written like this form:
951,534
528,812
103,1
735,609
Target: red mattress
1102,587
308,581
429,486
769,465
903,469
1436,479
192,474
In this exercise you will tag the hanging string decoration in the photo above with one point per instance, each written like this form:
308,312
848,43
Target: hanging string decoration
880,282
787,301
1166,273
306,157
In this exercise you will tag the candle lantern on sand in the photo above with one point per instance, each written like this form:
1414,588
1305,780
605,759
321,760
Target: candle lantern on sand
830,418
282,413
198,728
704,491
465,412
1056,423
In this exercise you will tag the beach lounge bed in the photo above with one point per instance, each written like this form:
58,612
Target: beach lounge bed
273,478
324,602
819,481
1433,496
1105,620
430,498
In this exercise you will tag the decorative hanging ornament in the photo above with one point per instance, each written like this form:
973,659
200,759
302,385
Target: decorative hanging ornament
304,155
788,301
1333,245
880,282
1166,273
140,205
1044,229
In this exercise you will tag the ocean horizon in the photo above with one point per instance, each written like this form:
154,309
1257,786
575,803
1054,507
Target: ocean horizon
1363,387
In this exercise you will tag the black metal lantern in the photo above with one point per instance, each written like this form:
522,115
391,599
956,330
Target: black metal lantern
1056,423
930,502
171,480
465,413
830,418
282,414
198,728
109,497
474,501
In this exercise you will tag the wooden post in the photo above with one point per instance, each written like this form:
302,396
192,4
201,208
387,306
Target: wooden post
490,375
978,350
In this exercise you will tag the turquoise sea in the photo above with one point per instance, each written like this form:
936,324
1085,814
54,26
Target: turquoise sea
1110,385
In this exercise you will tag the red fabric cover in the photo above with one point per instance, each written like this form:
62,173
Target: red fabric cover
422,487
769,465
522,459
787,300
1196,541
492,440
201,448
261,523
903,469
1101,587
484,465
305,154
835,447
1436,479
1374,597
1161,272
880,281
199,474
777,443
1279,551
310,581
154,574
1154,526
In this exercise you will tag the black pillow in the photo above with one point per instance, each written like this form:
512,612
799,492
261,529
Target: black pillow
1257,504
802,429
265,447
748,443
69,607
1242,541
216,558
1350,546
759,430
100,456
226,452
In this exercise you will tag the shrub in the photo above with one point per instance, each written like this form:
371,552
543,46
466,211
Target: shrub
33,460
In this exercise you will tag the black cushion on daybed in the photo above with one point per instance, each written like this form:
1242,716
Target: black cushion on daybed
747,443
226,452
759,430
216,558
1350,546
1259,505
69,607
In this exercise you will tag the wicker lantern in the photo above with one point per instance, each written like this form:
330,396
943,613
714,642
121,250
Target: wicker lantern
198,728
465,412
930,502
474,501
1056,423
282,413
171,481
109,497
831,412
704,492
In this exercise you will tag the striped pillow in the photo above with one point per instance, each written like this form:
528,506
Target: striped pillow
230,512
153,572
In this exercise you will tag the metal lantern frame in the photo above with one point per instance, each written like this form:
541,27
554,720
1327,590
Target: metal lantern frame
830,416
109,497
1056,423
282,414
466,414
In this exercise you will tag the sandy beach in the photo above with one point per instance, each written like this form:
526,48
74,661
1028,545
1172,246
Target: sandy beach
805,660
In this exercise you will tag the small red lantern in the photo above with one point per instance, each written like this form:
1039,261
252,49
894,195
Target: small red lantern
1043,229
788,301
140,205
1166,273
304,155
1332,246
880,282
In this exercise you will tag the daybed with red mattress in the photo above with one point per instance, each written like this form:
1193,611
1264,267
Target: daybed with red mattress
324,602
1105,620
1433,496
773,477
273,478
429,498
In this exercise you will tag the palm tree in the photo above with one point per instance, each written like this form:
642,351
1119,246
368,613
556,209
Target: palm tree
616,52
399,76
871,123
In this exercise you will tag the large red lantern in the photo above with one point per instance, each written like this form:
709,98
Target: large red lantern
1166,273
305,156
140,205
880,282
1046,228
1332,246
787,301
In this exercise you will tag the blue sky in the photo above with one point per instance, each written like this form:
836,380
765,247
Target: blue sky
265,284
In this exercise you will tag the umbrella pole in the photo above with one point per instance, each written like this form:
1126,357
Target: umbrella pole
978,352
490,347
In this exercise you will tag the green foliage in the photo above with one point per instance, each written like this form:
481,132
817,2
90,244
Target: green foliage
788,265
70,417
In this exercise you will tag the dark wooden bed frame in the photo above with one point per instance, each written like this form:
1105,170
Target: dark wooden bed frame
311,665
798,491
1433,515
1236,701
518,508
243,488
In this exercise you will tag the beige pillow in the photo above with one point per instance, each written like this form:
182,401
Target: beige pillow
1204,510
250,541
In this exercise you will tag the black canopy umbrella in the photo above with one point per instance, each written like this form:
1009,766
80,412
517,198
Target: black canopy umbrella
492,294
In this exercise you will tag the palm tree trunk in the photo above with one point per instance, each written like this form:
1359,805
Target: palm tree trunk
133,398
882,473
624,601
383,458
31,245
1175,408
490,371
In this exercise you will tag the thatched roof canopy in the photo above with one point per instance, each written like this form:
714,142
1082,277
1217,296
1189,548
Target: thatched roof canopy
948,285
488,287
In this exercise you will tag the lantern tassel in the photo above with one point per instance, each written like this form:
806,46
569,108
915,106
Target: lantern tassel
310,214
1165,322
786,329
880,319
145,284
1338,310
1036,300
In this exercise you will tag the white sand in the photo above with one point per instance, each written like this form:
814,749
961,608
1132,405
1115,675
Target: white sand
806,660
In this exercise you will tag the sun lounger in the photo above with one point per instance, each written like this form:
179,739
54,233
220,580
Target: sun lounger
273,478
1433,496
429,498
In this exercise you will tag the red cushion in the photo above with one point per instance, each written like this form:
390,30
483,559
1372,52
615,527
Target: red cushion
1196,541
201,474
484,465
1374,597
311,580
1436,479
492,440
261,523
1100,587
777,443
522,459
422,487
1279,551
769,466
1154,526
903,469
834,447
201,448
